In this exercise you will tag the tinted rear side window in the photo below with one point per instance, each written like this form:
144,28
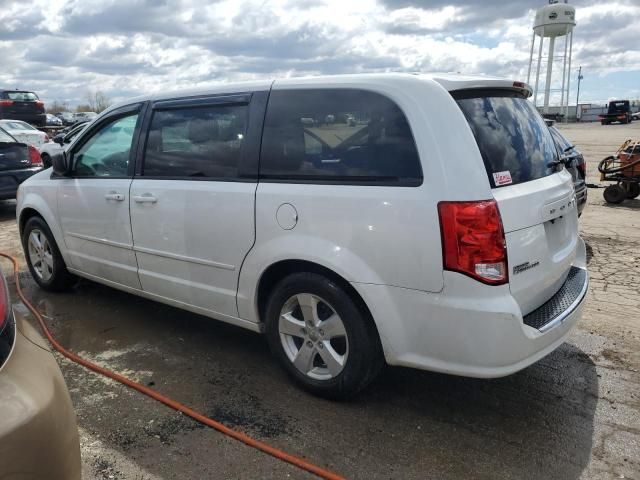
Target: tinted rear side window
514,141
338,135
196,142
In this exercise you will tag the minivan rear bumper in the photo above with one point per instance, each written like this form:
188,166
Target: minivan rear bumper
468,329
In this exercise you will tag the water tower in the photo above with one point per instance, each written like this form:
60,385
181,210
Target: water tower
553,21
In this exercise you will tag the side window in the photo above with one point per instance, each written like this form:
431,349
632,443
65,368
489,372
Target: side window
338,135
107,152
203,142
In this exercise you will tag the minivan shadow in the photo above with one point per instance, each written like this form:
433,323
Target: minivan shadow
537,423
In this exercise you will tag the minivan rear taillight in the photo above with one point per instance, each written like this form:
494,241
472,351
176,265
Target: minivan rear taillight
473,240
582,168
6,103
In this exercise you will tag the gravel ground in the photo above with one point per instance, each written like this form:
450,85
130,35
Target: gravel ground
574,414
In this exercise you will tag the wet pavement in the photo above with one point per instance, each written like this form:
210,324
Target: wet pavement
575,414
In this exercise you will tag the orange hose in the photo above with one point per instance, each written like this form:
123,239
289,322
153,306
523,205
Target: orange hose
247,440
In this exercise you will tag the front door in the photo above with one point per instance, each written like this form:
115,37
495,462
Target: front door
192,206
93,203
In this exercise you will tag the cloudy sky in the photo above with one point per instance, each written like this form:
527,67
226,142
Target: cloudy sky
64,48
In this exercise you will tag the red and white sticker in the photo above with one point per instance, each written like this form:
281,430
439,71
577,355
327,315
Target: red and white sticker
502,178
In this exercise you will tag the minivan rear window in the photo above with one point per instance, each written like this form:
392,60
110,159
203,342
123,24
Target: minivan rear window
513,139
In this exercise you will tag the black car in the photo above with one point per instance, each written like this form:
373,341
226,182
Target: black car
67,118
18,161
22,105
574,163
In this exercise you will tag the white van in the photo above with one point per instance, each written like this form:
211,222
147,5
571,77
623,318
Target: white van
425,221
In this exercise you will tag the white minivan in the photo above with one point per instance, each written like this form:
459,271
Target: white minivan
422,221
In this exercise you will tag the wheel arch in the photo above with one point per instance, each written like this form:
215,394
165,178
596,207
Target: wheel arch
38,208
275,272
25,215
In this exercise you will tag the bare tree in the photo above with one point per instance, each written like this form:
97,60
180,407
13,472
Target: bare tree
97,101
84,107
57,107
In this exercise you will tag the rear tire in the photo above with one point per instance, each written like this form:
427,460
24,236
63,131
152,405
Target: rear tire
321,337
43,257
614,194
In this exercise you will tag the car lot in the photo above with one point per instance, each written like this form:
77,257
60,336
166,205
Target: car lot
572,415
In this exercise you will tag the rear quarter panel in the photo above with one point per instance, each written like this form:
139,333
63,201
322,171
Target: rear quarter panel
382,235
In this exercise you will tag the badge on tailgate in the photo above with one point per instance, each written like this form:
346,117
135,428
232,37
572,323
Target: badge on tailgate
558,208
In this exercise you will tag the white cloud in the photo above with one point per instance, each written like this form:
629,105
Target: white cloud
63,48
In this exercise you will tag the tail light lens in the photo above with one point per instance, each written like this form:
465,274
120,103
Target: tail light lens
39,103
582,168
34,156
6,103
473,240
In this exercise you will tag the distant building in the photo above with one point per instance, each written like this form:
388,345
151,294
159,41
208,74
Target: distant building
588,112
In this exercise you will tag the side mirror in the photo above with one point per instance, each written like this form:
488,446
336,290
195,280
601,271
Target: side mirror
59,139
60,164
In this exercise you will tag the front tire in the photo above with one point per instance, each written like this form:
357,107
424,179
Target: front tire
321,337
43,257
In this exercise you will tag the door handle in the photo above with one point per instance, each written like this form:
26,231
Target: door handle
145,198
114,196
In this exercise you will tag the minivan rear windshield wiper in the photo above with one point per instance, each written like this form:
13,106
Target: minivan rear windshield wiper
562,160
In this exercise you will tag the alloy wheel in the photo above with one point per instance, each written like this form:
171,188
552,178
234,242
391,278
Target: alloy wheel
313,336
40,255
